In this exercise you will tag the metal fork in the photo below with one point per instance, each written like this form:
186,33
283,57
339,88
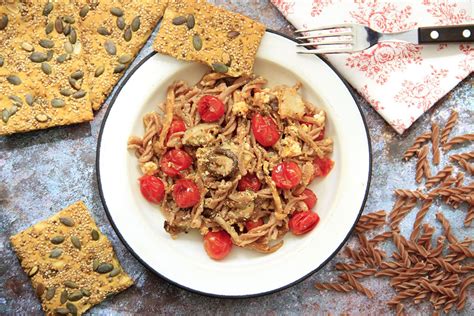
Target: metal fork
349,37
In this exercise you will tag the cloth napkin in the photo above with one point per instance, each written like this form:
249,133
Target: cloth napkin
401,81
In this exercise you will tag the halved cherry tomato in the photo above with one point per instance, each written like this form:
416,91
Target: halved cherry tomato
249,182
175,161
265,130
177,125
322,166
152,188
286,175
186,193
249,225
302,222
210,108
217,244
310,198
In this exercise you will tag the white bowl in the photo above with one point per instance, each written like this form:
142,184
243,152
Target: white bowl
139,224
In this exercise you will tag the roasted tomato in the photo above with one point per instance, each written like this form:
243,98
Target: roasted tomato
175,161
210,108
249,225
186,193
152,188
286,175
322,166
264,130
310,198
249,182
177,125
217,244
302,222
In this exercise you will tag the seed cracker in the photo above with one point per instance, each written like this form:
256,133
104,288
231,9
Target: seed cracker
229,40
68,260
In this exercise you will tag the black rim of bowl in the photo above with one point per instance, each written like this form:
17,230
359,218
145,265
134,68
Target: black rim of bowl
130,249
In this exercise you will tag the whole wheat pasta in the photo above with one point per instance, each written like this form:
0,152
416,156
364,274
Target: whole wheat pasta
421,163
435,142
447,182
452,191
455,268
418,249
404,210
399,202
401,249
447,228
358,286
349,266
360,274
465,156
425,238
436,251
469,167
381,237
469,216
449,304
453,117
370,221
437,289
338,287
440,176
458,140
419,218
460,248
463,292
410,194
419,141
400,310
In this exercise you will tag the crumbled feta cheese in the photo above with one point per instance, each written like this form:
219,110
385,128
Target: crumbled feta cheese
149,167
289,147
240,108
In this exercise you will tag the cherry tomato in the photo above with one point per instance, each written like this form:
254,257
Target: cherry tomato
265,130
322,166
210,108
310,198
286,175
249,182
186,193
177,125
217,244
152,188
302,222
249,225
174,161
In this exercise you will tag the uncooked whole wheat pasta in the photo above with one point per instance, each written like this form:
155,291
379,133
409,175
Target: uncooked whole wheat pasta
370,221
404,210
421,163
359,274
419,141
440,176
459,248
358,286
401,249
465,156
458,140
437,289
453,118
400,309
469,216
419,218
435,143
381,237
349,266
469,167
410,194
425,238
463,292
446,227
338,287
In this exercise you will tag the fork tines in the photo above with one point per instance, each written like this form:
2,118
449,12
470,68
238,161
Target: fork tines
336,38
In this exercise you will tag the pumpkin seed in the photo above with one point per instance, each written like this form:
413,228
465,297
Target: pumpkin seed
1,61
84,10
13,109
63,297
79,94
49,28
121,23
58,25
49,55
41,118
57,103
95,234
66,92
61,311
67,30
3,21
190,21
78,74
116,11
110,47
38,57
16,100
33,271
220,67
86,292
114,272
70,284
119,68
27,47
179,20
46,68
62,58
46,43
76,242
72,308
197,42
69,19
74,83
102,30
30,99
40,289
55,253
135,25
95,264
14,80
127,34
233,34
73,36
124,59
104,268
5,115
75,296
50,293
57,239
99,71
67,221
48,7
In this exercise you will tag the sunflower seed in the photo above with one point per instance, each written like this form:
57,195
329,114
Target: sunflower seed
62,58
49,28
84,10
76,242
16,100
63,297
74,83
121,23
124,59
73,36
104,268
33,271
116,11
110,47
30,99
46,43
179,20
67,221
50,293
61,311
135,25
41,118
5,115
78,74
58,25
55,253
233,34
220,67
79,94
119,68
95,264
14,80
99,71
86,292
70,284
1,61
95,234
40,289
48,7
67,30
190,21
3,21
46,68
127,34
197,42
69,19
72,308
57,239
27,47
114,272
102,30
38,57
68,47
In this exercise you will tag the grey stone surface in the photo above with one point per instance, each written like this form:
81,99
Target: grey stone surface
41,172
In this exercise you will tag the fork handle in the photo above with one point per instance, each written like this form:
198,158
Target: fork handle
446,34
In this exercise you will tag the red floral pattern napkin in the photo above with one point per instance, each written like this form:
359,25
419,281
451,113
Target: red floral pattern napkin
401,81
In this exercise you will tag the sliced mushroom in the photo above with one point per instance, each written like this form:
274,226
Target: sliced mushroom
201,134
222,163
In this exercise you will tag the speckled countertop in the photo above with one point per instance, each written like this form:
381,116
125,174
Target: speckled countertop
41,172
